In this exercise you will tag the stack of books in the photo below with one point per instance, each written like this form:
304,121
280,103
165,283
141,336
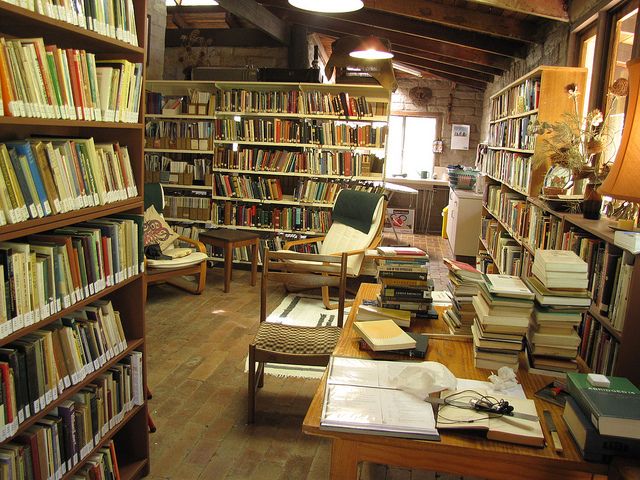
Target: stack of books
405,283
603,421
559,283
464,283
503,309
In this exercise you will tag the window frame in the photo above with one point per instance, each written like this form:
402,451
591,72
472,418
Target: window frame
400,113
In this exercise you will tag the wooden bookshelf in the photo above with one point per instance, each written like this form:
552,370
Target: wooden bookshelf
225,162
131,434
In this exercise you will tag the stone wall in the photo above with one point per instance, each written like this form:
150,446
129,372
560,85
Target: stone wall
157,11
553,51
275,57
466,108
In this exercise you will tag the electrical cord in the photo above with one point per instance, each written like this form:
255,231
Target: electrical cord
472,400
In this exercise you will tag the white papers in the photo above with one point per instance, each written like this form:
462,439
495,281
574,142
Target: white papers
360,397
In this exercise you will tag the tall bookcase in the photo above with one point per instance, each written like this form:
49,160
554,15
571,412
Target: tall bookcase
130,434
516,222
279,152
510,173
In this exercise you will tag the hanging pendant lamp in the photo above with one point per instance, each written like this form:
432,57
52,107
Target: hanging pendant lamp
328,6
372,48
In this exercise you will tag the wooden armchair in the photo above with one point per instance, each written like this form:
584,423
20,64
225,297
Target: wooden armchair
173,271
357,222
296,345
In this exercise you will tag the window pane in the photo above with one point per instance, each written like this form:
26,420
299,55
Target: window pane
418,140
394,145
623,42
587,52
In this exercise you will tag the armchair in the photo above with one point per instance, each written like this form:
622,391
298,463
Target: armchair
357,222
174,270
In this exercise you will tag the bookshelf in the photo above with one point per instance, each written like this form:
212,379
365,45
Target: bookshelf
510,173
108,356
272,156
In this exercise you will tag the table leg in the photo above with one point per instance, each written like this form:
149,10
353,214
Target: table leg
254,262
344,460
228,262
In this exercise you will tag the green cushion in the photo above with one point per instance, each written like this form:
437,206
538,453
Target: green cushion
153,196
355,209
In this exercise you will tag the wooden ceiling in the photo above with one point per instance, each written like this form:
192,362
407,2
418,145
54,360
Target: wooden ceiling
465,41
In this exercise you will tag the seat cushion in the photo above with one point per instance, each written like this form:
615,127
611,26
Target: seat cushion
191,259
157,230
296,340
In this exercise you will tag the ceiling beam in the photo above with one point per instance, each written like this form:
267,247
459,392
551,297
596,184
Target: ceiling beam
441,67
339,29
233,37
444,59
178,21
411,26
460,80
259,16
551,9
457,17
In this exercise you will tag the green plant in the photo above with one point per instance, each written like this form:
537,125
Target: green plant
577,142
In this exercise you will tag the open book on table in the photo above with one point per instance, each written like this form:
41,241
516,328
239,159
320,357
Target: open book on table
361,397
504,428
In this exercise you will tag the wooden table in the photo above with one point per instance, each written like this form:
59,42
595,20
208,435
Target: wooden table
464,453
228,239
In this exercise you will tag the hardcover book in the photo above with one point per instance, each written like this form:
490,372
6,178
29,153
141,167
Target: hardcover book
614,410
384,335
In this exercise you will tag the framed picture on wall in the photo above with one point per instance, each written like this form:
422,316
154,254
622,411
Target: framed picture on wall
460,136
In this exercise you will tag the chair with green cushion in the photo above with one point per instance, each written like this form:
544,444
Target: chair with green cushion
357,222
175,271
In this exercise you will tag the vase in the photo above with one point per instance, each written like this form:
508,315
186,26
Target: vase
592,203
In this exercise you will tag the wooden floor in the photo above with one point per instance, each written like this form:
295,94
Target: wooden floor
196,349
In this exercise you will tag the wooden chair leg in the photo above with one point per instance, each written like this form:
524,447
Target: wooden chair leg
251,390
326,300
260,374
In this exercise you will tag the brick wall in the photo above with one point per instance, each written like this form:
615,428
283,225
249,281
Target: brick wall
157,11
552,52
466,108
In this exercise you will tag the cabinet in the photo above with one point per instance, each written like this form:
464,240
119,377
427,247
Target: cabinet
102,352
463,223
276,154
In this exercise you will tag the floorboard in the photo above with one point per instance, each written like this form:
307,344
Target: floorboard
196,347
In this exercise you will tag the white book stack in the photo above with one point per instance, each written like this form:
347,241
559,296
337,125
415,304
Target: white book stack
464,282
560,284
503,309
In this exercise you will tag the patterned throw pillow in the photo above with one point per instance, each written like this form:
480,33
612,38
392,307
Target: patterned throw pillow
156,230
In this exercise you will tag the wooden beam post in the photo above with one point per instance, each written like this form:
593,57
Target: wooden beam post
552,9
262,18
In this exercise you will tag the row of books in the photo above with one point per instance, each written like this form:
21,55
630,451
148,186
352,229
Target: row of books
47,176
519,99
545,230
185,169
510,208
179,134
273,218
196,103
68,435
312,161
598,347
41,365
513,133
506,253
113,18
247,187
512,168
299,131
57,269
50,82
187,207
294,101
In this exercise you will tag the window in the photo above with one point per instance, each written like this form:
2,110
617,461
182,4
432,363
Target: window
409,148
587,56
620,53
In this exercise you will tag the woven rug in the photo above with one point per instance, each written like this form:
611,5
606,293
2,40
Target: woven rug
306,312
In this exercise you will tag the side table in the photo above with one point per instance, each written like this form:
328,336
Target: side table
228,239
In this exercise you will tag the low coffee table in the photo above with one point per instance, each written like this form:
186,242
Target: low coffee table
228,239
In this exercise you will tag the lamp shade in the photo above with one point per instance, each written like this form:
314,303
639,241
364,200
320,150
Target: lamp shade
372,48
623,181
328,6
